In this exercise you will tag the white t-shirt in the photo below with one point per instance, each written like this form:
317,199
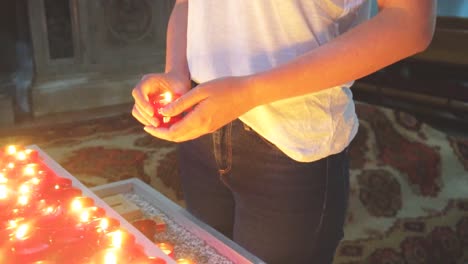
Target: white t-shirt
242,37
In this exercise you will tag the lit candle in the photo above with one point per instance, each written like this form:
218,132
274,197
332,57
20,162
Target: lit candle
50,213
6,200
150,260
21,157
106,225
3,178
184,261
111,256
117,239
61,183
11,150
28,244
6,230
31,170
158,102
121,241
89,214
79,203
11,166
62,194
32,154
167,248
73,242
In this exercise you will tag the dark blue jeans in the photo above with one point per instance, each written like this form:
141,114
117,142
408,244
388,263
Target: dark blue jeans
281,210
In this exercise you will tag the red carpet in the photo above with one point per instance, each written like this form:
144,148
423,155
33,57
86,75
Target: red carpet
409,181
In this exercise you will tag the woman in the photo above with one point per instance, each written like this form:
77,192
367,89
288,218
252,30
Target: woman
269,112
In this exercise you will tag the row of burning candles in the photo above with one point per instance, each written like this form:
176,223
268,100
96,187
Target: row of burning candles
44,219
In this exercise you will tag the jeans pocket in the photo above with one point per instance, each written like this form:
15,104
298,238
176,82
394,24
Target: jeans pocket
259,138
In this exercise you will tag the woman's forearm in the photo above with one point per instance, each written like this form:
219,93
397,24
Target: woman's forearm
176,44
401,29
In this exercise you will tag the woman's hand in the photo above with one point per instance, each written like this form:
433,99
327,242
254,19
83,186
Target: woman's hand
155,84
213,104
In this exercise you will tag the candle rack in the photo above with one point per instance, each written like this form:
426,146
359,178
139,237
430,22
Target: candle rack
150,200
47,215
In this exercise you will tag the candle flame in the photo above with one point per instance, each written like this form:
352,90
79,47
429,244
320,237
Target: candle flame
167,97
28,151
35,181
23,200
49,210
12,223
110,258
3,178
11,165
3,192
29,171
21,156
117,239
22,231
85,216
24,189
76,205
184,261
104,224
11,150
165,247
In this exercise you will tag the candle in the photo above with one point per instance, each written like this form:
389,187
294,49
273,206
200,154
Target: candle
147,227
91,213
117,239
79,203
6,230
158,102
63,194
120,241
184,261
32,154
106,225
31,170
11,150
167,248
150,260
21,157
3,178
28,244
50,214
111,256
74,243
7,200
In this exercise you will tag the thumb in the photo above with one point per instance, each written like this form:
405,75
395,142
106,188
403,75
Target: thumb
183,103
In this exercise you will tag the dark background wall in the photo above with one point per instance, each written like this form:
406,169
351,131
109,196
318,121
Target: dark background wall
7,36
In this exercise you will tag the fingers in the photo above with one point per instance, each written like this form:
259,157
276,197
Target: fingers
184,102
143,118
141,100
150,83
186,129
167,134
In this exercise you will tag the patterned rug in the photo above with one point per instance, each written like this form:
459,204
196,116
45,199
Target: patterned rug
409,181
